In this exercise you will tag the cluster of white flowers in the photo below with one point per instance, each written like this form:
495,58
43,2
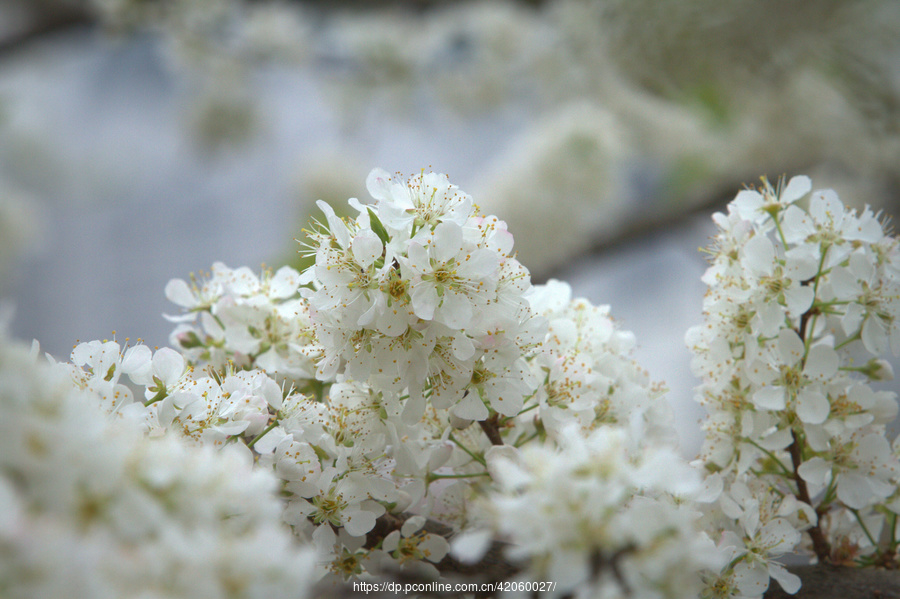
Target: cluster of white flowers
359,381
234,316
91,507
802,302
602,515
420,290
412,384
588,375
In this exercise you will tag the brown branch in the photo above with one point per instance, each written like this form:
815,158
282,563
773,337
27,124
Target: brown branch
491,567
491,428
820,581
46,18
820,543
825,581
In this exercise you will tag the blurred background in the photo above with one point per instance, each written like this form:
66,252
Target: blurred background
142,140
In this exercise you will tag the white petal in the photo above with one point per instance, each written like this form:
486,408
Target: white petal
747,203
770,397
853,489
479,264
861,265
796,225
771,318
285,282
178,292
852,319
780,536
168,365
867,228
392,541
796,188
448,238
752,578
802,262
815,471
335,225
777,439
412,524
821,363
798,299
414,409
434,547
759,255
393,321
504,398
470,546
790,346
826,207
366,247
418,259
789,581
873,335
471,407
455,311
136,363
425,300
378,183
359,523
844,284
462,347
812,407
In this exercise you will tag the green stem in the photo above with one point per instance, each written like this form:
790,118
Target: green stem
863,526
264,432
529,408
819,270
807,339
431,477
820,304
474,456
780,232
856,337
771,455
522,442
158,397
853,369
830,494
892,549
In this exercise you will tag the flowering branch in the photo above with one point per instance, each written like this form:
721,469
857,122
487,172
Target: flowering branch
354,387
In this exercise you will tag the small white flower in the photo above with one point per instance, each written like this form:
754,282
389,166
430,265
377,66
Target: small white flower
411,543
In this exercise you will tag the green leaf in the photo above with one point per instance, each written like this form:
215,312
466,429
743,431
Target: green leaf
378,227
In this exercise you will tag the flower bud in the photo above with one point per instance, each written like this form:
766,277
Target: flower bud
878,369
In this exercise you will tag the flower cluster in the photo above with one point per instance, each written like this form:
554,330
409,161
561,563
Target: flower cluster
92,507
588,375
421,291
416,321
235,316
600,516
413,384
802,302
